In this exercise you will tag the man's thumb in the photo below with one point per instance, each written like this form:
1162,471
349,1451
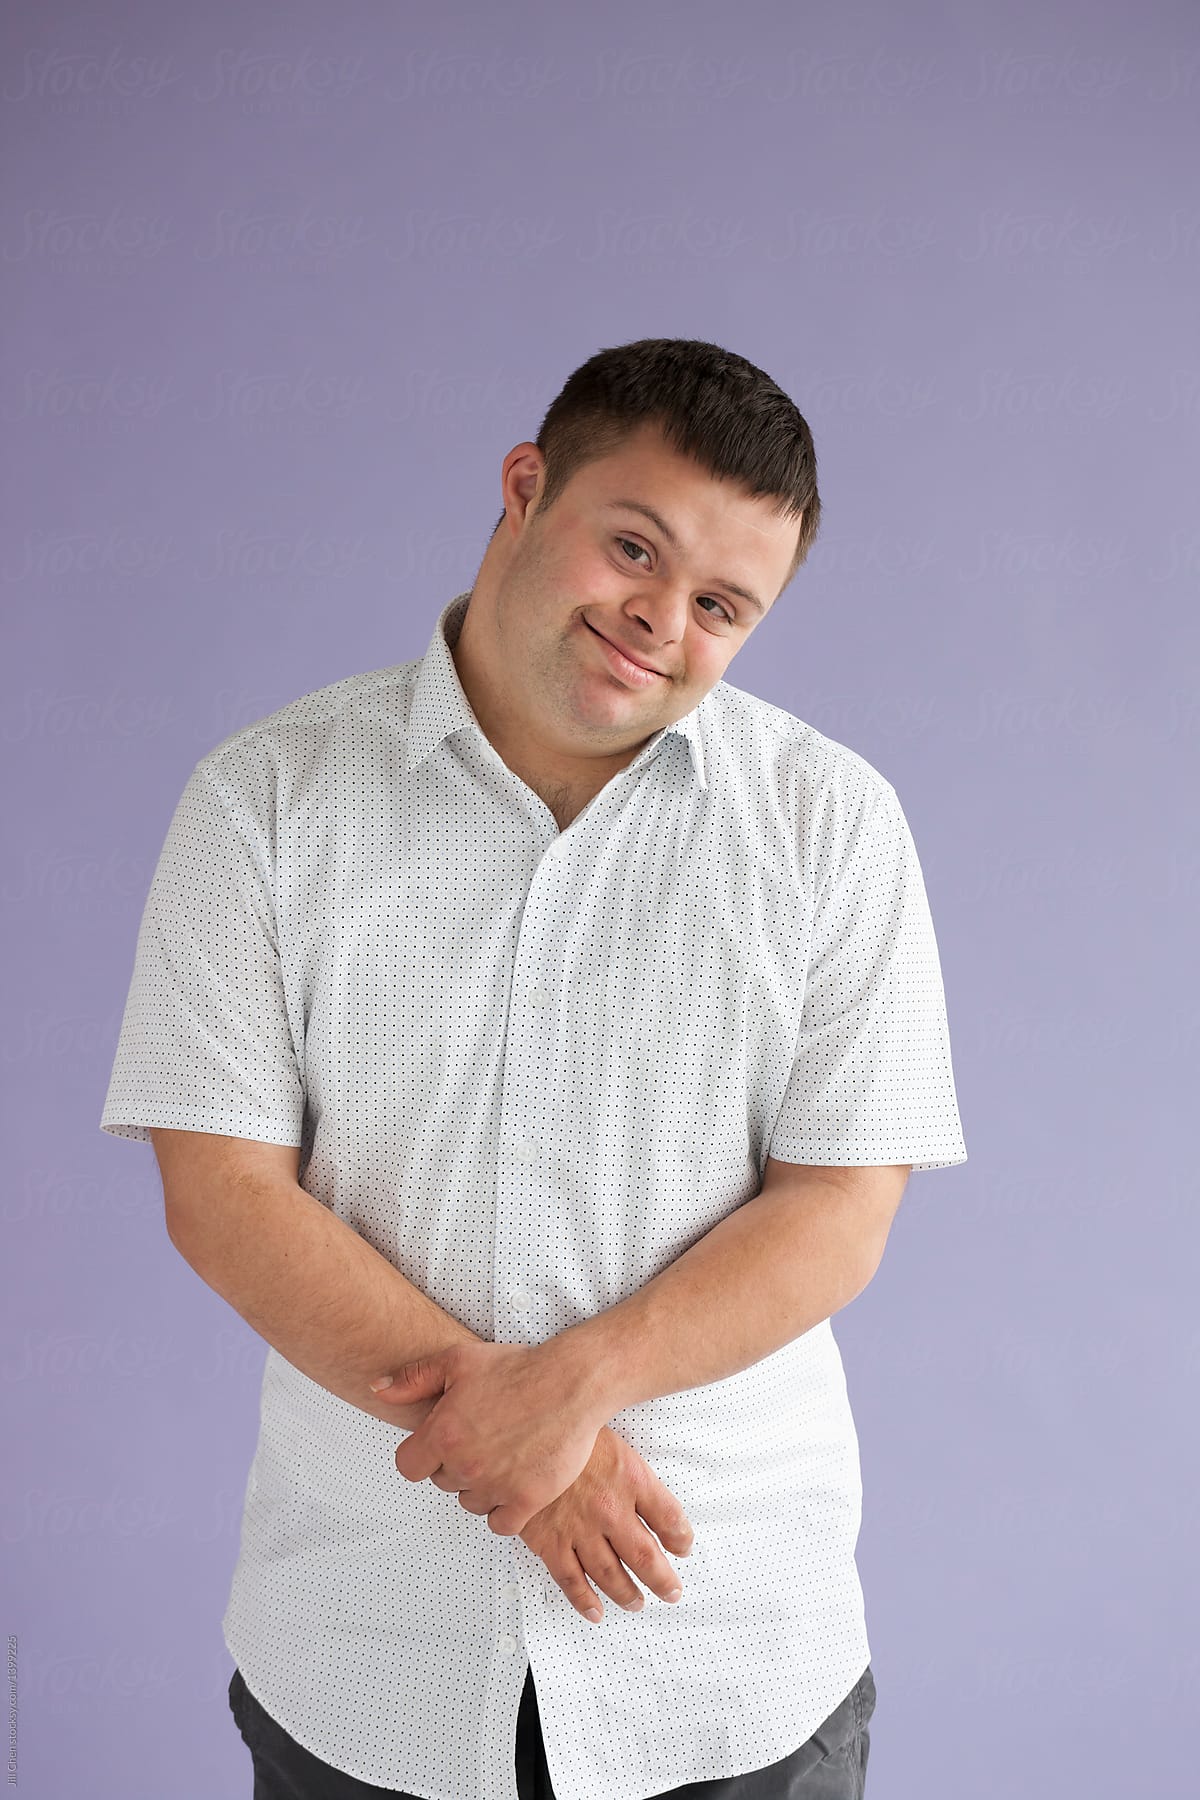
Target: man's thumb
414,1380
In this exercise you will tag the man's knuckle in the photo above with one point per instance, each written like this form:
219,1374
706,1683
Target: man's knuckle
640,1554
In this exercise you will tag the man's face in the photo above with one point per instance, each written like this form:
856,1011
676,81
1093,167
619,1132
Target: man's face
596,567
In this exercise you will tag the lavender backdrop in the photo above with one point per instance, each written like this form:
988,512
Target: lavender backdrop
286,282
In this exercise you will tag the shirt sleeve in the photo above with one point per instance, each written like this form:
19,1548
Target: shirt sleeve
872,1080
205,1042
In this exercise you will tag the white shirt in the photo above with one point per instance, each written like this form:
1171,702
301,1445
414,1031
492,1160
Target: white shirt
532,1067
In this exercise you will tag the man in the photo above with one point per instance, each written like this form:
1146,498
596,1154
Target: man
550,1026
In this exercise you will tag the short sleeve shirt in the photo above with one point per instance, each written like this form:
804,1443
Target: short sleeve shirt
531,1067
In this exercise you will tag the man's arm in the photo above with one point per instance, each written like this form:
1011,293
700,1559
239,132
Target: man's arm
793,1255
300,1276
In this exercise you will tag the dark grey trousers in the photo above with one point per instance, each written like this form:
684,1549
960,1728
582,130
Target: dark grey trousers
832,1765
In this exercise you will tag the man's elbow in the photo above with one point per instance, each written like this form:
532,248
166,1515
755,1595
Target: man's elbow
885,1203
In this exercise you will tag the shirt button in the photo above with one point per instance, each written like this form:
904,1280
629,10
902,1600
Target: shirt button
539,996
511,1591
508,1645
526,1150
519,1298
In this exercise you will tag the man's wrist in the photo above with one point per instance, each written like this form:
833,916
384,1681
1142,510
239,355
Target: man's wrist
587,1368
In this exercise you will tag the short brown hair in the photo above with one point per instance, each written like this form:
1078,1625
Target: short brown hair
710,404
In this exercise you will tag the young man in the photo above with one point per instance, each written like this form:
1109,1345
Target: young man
551,1026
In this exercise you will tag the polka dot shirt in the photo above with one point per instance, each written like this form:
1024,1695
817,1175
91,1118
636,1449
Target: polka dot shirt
532,1067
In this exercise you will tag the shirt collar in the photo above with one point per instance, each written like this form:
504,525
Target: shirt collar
440,706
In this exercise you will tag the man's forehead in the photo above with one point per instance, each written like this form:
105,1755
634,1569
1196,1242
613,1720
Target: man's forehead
730,504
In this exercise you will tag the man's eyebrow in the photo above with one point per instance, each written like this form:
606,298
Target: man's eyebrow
657,519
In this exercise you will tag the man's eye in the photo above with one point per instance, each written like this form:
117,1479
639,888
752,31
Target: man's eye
725,612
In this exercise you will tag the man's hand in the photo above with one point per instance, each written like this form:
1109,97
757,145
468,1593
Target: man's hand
509,1428
604,1525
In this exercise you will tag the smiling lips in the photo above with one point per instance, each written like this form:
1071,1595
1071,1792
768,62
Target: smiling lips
647,668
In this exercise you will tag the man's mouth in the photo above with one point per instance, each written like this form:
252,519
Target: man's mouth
626,666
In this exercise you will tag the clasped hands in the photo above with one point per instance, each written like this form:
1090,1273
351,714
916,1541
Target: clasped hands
510,1429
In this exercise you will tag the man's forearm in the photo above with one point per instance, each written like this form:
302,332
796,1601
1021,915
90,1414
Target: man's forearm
315,1290
765,1274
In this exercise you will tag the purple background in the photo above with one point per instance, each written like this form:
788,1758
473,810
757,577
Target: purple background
286,283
